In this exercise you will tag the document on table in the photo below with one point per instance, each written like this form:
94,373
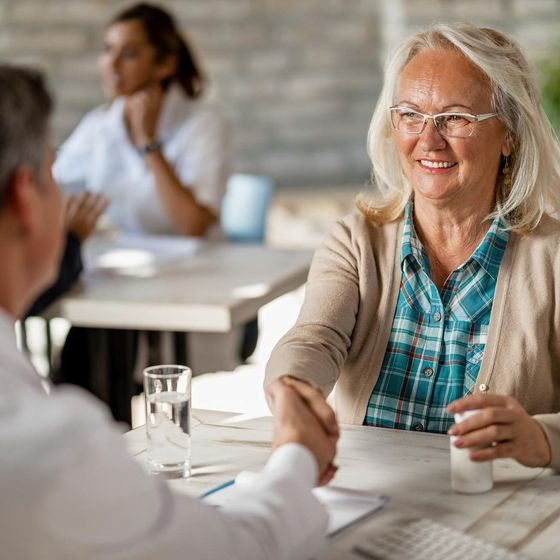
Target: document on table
347,507
344,505
132,254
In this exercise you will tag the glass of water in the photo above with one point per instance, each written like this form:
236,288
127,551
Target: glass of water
168,420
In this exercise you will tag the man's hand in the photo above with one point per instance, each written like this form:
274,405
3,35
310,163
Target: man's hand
316,402
295,421
502,428
82,213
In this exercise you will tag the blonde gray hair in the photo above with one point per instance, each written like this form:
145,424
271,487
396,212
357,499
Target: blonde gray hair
535,158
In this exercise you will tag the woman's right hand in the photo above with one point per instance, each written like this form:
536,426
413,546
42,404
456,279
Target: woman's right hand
142,111
322,411
316,402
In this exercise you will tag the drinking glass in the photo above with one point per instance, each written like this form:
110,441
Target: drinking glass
168,420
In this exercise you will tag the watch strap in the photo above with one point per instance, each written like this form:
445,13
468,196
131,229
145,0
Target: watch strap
150,147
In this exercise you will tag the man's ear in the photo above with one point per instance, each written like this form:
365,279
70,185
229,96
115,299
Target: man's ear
22,199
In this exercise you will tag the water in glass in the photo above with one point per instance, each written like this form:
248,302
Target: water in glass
168,425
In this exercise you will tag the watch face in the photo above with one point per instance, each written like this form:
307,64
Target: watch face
152,146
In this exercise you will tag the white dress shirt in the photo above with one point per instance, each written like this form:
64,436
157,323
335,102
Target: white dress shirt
68,489
99,156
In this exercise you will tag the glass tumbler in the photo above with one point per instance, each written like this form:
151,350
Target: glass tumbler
168,420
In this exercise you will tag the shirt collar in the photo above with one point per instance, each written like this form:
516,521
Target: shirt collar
491,249
411,245
8,348
114,119
488,254
7,328
174,111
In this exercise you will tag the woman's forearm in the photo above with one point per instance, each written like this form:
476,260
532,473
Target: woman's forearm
186,215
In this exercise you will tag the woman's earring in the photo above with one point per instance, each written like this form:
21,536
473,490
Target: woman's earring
506,172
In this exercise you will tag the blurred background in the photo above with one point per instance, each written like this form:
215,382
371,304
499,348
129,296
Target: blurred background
298,79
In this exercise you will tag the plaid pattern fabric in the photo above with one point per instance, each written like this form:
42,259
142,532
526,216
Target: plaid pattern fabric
437,339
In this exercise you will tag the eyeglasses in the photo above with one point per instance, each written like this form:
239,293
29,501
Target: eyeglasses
454,125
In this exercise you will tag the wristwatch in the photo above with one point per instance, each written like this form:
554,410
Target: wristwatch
152,146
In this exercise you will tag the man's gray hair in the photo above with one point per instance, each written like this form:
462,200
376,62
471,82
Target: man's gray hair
535,160
25,108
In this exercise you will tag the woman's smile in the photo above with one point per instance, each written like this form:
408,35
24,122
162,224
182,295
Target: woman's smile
437,166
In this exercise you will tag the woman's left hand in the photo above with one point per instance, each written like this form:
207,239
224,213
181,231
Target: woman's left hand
501,429
82,213
142,110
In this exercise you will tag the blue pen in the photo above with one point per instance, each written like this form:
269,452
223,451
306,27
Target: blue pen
217,489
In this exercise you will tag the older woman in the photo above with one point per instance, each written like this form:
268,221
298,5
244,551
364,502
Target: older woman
443,293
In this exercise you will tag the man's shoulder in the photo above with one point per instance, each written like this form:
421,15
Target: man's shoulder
65,406
76,404
56,427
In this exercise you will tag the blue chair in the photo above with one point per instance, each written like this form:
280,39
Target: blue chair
245,207
243,220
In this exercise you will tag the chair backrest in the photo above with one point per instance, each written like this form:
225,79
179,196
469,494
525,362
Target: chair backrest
245,207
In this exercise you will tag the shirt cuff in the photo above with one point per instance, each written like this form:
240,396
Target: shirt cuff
293,457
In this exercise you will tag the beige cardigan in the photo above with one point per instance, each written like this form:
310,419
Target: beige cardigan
343,328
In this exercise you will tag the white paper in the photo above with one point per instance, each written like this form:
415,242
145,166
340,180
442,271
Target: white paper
133,254
344,505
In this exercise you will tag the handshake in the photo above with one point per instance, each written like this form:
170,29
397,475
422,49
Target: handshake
301,415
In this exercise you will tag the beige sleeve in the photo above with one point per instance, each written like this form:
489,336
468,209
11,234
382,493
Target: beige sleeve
316,347
550,423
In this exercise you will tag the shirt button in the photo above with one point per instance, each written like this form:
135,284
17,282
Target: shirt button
418,427
437,316
428,372
483,388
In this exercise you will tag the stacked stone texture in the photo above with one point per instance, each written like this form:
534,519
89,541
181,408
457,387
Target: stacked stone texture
298,78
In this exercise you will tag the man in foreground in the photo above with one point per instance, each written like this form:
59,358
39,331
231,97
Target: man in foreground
68,489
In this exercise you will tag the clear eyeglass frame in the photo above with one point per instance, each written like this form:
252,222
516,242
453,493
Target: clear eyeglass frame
450,124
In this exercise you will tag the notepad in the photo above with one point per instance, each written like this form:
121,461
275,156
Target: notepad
345,506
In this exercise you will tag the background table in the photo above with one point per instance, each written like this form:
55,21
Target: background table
211,294
522,512
218,288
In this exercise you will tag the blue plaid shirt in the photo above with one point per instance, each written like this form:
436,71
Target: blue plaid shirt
437,339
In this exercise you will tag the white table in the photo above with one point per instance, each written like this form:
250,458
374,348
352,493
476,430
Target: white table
522,512
220,287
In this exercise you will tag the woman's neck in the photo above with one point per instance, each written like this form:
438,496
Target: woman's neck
449,235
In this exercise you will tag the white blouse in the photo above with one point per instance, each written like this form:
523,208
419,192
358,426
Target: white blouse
99,157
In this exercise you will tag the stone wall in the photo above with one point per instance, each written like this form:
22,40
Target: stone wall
298,78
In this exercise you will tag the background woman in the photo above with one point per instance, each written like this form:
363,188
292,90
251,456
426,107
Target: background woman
161,155
157,151
446,284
